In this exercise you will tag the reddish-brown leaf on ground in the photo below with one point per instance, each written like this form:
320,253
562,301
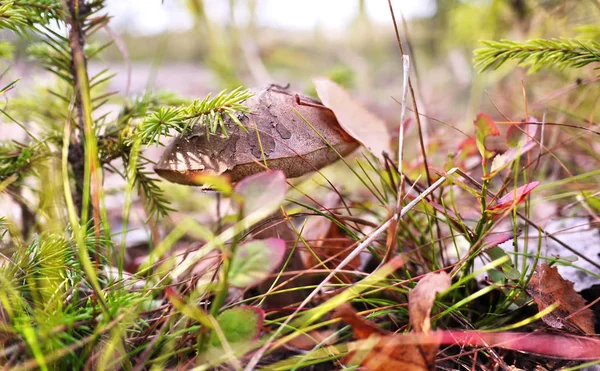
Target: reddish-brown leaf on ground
385,353
361,328
381,351
327,241
359,123
422,297
377,349
313,338
547,287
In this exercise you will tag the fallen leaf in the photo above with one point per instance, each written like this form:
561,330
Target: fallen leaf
422,297
361,328
380,351
386,353
513,198
255,260
547,287
484,127
276,137
311,339
362,125
238,325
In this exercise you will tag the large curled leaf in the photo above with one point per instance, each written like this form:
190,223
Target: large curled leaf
253,261
276,135
422,298
238,325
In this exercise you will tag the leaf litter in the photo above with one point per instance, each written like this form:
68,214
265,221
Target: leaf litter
382,352
547,287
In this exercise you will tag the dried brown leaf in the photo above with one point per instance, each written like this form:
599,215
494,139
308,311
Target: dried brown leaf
361,328
361,124
313,338
275,130
391,353
547,287
380,350
422,297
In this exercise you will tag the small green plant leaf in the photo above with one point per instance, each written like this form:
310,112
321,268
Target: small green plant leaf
484,127
264,191
513,198
241,324
253,261
507,268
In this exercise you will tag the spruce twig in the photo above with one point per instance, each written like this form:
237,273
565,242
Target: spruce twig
538,53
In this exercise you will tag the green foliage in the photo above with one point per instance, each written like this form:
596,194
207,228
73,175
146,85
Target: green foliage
16,159
6,50
208,112
23,14
238,325
253,261
12,17
539,53
155,200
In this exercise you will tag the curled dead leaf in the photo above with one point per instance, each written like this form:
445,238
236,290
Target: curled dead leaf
361,124
277,137
422,297
547,287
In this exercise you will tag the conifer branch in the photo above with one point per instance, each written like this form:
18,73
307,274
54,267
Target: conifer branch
209,112
539,53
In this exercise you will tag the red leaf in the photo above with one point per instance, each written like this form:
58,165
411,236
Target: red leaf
484,125
496,239
513,198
